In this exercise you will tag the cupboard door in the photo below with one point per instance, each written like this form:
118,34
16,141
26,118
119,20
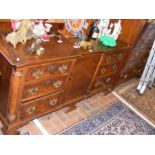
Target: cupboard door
81,76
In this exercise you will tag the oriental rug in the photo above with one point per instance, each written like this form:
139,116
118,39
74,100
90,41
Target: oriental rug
145,103
117,119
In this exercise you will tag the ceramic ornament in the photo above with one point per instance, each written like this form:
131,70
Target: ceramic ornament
117,30
109,31
103,26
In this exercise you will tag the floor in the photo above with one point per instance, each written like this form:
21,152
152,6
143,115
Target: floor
59,120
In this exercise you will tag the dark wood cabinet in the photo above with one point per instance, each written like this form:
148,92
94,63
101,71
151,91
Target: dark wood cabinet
138,55
32,86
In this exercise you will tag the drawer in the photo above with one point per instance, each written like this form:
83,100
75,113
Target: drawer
54,69
141,55
127,75
41,105
133,65
102,82
33,90
113,58
107,69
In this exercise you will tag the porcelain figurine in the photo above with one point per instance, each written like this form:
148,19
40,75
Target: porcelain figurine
117,30
22,34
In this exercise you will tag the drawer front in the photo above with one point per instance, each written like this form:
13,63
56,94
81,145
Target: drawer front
130,73
102,82
41,105
139,55
44,87
58,68
107,69
113,58
133,65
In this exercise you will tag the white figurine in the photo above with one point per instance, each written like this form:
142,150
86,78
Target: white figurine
110,30
103,26
117,30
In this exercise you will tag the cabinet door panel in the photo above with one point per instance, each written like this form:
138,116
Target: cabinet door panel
81,75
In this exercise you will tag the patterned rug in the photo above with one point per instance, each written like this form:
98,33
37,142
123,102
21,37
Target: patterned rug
116,119
144,103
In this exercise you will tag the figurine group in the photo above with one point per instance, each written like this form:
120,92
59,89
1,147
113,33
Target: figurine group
27,29
112,30
105,29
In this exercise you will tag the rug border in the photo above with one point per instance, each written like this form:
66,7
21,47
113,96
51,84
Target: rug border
134,108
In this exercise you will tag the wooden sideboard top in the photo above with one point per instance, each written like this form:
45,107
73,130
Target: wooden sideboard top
53,51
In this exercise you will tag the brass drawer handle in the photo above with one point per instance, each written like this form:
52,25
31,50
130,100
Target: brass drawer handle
37,74
33,90
103,70
108,80
139,70
30,110
114,67
119,56
57,84
108,59
51,68
97,84
131,66
63,68
125,76
53,101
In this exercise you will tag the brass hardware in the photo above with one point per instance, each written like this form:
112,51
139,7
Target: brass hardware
97,84
108,79
71,77
103,70
125,76
109,90
37,74
33,90
119,56
63,68
51,68
57,84
47,83
136,54
114,67
108,59
30,110
53,101
139,70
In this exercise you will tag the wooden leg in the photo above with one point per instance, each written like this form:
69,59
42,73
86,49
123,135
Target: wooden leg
10,131
70,108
